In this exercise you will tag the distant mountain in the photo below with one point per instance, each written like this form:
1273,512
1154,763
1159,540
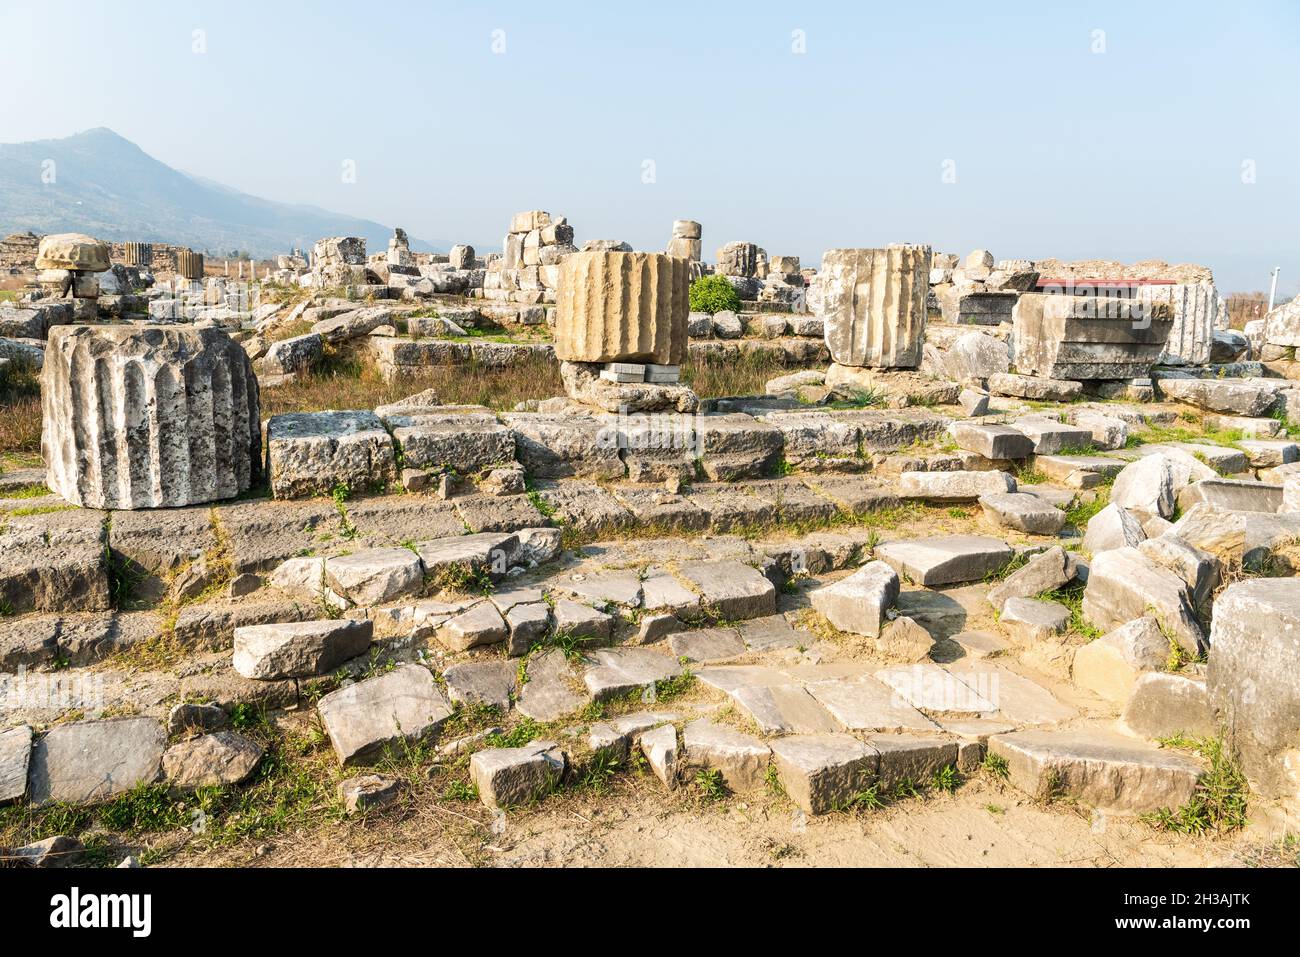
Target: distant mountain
108,187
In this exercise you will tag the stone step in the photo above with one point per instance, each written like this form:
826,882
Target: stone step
1097,768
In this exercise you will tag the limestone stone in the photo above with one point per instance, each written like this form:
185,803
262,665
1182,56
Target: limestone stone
1044,572
148,416
730,589
738,259
1113,527
991,440
742,759
561,446
1264,453
299,649
375,575
1196,307
1088,337
1199,569
660,749
1097,768
187,719
733,447
974,356
1108,432
365,718
466,439
1052,436
15,755
954,486
295,354
1023,512
73,251
823,772
1123,584
511,777
1250,539
911,758
622,307
903,639
581,621
489,683
1251,397
1254,679
1146,487
367,792
1163,705
1036,388
89,761
974,403
858,603
312,453
861,703
212,760
481,624
1110,666
707,644
1281,327
618,671
945,560
57,851
549,693
584,383
873,304
1029,620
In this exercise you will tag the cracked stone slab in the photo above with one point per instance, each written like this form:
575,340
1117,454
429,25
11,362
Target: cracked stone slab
935,690
741,758
946,560
550,691
1018,699
822,772
707,644
482,682
95,760
784,709
733,590
865,704
618,671
1098,768
365,718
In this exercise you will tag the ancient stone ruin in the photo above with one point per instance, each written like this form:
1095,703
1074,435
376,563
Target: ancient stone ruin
906,523
146,416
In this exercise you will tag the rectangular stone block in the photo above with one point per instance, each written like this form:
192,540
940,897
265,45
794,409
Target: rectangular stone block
310,453
873,303
1087,337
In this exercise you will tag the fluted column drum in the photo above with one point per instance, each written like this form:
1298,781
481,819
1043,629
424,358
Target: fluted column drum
148,416
873,304
189,265
622,307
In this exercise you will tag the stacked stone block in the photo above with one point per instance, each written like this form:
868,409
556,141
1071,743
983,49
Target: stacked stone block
529,272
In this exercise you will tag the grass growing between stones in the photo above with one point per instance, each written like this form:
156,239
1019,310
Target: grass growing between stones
350,383
1221,799
1071,596
20,409
743,374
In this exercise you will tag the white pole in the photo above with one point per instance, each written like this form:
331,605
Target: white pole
1272,289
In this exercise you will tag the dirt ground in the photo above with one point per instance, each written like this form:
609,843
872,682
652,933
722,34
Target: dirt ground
983,824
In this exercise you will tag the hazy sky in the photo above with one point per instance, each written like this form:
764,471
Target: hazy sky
1057,149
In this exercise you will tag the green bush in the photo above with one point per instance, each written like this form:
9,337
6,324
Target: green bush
714,294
